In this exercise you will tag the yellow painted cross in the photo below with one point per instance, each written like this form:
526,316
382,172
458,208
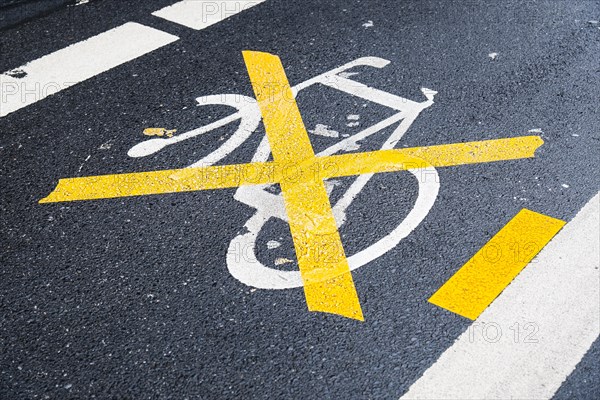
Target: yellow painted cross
328,284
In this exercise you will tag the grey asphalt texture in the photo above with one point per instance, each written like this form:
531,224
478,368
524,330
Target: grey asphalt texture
15,12
131,298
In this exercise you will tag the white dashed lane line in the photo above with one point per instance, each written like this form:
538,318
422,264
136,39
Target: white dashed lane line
199,14
56,71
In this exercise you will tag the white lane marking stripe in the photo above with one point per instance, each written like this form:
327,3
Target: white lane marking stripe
559,293
78,62
198,14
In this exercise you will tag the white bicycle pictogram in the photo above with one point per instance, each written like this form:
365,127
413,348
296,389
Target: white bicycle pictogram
248,269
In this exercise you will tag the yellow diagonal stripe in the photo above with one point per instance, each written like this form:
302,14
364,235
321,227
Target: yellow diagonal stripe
328,284
226,176
477,283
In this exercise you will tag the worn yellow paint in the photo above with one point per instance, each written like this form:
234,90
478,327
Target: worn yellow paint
159,132
327,279
477,283
160,182
444,155
260,173
328,284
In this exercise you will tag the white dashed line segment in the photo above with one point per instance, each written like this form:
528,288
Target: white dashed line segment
199,14
56,71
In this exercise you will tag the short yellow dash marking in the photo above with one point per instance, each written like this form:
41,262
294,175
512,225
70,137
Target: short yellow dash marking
470,290
328,284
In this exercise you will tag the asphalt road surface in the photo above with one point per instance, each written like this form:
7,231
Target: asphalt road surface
195,294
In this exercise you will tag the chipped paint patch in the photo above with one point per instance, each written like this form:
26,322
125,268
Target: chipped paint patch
273,244
282,260
323,130
159,132
105,146
16,73
368,24
493,56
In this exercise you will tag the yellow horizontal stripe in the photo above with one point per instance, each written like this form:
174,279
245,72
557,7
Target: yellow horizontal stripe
227,176
444,155
477,283
160,182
